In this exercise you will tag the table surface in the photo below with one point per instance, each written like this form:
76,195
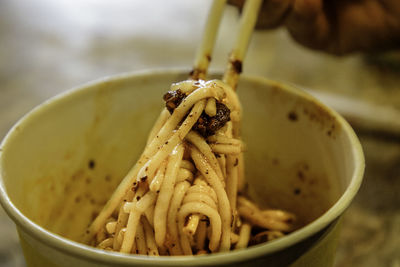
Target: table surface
49,46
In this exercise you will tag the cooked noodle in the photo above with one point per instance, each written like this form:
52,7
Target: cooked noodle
182,196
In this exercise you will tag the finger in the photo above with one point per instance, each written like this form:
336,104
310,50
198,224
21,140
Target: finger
273,13
237,3
307,8
367,26
309,25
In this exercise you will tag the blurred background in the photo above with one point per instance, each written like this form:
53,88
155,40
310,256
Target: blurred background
47,47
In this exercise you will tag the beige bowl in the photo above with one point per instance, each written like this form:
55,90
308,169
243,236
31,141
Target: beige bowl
60,163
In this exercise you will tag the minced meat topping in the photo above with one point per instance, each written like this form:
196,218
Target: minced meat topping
206,125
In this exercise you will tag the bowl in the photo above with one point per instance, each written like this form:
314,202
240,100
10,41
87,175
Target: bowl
60,163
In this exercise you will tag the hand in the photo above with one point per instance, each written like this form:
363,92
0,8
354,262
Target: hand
335,26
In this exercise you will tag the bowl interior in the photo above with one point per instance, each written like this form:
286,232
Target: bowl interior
63,160
298,156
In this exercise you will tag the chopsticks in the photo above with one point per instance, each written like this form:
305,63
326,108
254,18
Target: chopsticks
246,26
203,56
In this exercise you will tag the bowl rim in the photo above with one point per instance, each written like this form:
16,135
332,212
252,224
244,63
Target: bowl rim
83,251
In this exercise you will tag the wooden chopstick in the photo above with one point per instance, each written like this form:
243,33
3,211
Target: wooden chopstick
246,27
204,53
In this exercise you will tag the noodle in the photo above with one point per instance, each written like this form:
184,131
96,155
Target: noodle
181,197
158,179
173,243
212,214
183,175
149,214
202,145
150,241
140,240
244,236
223,202
164,197
211,108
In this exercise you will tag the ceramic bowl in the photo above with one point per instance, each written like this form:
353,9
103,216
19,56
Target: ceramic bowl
61,162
